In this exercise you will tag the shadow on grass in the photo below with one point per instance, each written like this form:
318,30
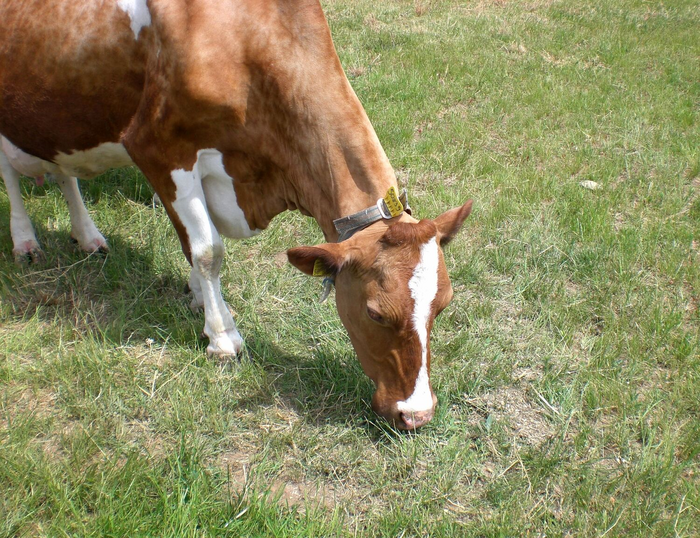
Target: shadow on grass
319,385
118,298
112,298
322,387
124,296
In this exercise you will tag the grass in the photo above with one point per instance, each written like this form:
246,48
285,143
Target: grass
567,366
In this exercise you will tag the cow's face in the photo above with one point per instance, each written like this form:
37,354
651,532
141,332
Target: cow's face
391,283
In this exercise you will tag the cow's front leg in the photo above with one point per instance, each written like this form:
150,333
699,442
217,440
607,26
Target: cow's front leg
200,239
25,246
83,229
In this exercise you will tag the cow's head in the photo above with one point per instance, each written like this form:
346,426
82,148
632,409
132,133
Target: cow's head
391,283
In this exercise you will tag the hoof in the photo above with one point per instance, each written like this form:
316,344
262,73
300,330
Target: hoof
223,358
97,245
218,353
29,254
226,347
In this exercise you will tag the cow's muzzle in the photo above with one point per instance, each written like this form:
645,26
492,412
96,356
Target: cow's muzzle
411,421
403,419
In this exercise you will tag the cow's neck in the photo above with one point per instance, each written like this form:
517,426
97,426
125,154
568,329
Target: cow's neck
344,175
356,174
305,141
329,168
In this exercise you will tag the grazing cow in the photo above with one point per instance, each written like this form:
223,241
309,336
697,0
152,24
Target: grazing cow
236,111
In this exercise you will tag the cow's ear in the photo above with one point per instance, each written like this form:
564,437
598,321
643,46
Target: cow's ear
450,222
320,260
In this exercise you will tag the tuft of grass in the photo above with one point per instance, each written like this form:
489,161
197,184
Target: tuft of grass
567,366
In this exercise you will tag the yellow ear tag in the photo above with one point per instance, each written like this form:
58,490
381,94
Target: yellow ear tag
320,268
393,203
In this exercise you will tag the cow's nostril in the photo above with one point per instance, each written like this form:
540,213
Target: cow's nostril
411,421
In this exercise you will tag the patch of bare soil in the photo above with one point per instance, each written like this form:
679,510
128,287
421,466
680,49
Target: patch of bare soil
240,468
237,465
17,400
303,494
691,474
527,421
291,488
139,434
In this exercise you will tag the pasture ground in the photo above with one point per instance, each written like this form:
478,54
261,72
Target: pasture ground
567,366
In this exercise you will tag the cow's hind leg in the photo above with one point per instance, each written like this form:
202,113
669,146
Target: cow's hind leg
25,246
83,229
195,287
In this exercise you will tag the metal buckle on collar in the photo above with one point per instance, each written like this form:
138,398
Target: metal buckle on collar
380,207
386,208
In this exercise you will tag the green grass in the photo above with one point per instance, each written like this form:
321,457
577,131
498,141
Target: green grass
567,366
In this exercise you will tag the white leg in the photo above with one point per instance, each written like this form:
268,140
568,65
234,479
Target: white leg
83,230
196,288
207,253
25,245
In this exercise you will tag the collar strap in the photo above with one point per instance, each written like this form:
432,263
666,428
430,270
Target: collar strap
386,208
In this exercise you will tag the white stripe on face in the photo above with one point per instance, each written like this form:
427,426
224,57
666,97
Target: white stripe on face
423,287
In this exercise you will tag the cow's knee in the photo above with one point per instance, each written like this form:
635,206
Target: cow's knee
207,259
219,325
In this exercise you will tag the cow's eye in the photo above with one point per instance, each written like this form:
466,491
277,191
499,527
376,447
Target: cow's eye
374,315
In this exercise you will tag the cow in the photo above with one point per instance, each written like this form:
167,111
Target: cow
236,111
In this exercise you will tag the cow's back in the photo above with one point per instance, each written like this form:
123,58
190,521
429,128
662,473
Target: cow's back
71,73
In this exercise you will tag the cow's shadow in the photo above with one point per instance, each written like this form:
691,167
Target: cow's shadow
114,294
321,386
96,299
117,296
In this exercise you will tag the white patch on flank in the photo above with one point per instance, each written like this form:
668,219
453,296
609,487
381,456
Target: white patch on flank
221,199
423,286
83,164
138,13
92,162
25,164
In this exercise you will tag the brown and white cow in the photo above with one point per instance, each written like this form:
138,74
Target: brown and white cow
234,111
